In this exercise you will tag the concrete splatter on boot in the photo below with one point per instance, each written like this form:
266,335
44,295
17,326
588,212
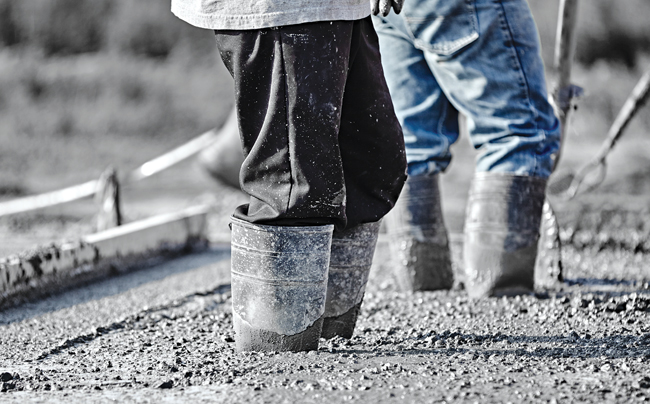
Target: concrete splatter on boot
279,285
223,159
501,233
418,237
350,262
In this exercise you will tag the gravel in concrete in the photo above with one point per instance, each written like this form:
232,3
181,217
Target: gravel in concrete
164,334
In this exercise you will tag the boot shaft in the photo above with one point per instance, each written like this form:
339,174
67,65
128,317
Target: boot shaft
279,285
418,237
418,211
501,233
350,263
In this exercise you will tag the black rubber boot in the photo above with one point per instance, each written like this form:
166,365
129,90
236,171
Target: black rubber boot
418,237
350,262
279,285
501,233
223,159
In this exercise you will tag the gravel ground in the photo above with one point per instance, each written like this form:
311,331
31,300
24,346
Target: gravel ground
165,334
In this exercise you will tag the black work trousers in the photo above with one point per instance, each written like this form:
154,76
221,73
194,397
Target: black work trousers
318,129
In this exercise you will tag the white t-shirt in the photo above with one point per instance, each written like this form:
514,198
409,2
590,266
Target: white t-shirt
256,14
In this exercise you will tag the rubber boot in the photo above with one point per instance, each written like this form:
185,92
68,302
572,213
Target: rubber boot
350,262
223,159
279,285
501,233
418,238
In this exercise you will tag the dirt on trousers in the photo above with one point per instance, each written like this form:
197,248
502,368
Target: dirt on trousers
165,334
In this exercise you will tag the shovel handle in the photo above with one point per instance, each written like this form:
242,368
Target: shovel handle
564,50
634,102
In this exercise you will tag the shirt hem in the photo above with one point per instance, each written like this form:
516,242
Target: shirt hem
268,20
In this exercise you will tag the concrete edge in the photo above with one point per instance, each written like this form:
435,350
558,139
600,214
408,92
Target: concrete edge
125,245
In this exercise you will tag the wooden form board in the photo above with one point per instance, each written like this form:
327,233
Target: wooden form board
173,231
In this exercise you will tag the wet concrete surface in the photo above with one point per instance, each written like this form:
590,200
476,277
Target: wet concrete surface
164,334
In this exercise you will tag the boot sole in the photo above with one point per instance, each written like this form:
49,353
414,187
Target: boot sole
254,339
341,326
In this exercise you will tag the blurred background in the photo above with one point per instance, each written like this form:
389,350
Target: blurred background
86,84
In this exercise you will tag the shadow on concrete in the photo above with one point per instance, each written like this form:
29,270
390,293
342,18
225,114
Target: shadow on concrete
572,346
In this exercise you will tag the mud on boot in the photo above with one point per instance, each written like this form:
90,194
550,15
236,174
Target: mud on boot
350,262
501,233
279,285
418,237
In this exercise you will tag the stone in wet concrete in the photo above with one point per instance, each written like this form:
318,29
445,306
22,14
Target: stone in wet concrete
564,345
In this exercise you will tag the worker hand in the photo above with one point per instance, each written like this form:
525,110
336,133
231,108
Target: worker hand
383,6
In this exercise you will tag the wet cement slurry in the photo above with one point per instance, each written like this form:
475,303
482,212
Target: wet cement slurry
164,334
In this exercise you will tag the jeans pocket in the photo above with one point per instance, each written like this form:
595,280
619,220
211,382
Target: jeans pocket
443,27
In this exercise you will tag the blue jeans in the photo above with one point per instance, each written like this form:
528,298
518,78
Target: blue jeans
479,57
